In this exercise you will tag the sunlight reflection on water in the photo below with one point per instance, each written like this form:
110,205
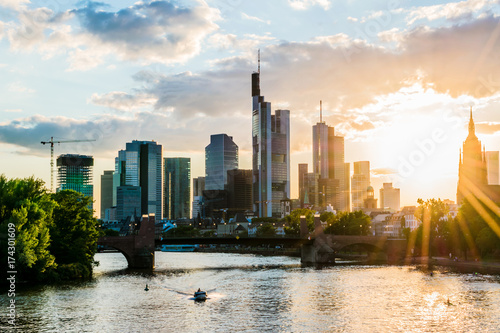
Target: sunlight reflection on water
261,294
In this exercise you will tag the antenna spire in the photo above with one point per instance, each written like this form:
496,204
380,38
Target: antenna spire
320,111
258,60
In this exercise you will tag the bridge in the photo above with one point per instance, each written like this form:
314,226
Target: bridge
316,248
138,248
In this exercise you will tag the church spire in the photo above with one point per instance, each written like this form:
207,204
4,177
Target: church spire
471,124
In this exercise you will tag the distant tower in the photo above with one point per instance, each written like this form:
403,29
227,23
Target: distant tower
389,197
472,170
177,188
492,165
140,164
75,172
271,154
302,182
370,202
221,155
329,167
106,191
359,184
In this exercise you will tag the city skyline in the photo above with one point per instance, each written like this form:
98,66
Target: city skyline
397,83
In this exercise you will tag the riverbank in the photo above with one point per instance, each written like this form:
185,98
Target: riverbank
482,267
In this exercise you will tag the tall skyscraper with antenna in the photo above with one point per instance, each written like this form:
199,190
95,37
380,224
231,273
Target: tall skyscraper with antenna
329,168
271,153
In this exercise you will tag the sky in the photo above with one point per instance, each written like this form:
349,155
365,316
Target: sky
397,79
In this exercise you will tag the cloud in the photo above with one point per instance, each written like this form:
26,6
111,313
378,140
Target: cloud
13,110
119,100
488,127
156,32
253,18
382,172
352,19
450,11
19,87
305,4
14,4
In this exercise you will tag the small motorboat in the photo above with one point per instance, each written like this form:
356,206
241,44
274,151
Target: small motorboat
200,295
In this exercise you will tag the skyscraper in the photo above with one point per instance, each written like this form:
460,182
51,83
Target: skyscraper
239,189
198,203
329,167
128,202
302,182
106,191
359,184
140,164
221,155
177,190
389,197
492,166
270,155
75,172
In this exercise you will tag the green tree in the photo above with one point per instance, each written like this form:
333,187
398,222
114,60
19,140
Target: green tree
349,223
74,234
266,229
25,204
293,221
433,235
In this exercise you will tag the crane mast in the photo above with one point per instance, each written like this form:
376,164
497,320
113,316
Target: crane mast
51,142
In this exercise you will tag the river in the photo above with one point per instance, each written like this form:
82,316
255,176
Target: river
260,294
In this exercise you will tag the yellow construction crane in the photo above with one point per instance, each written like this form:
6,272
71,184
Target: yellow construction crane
52,156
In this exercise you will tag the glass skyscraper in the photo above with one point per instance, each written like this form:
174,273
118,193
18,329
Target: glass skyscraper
221,155
75,172
177,190
140,164
271,154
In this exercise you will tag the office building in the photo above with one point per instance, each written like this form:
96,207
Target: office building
360,182
239,188
177,189
329,168
128,202
221,155
492,167
198,186
389,197
106,191
75,172
270,154
303,170
140,164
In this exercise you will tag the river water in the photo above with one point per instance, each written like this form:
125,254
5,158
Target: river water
260,294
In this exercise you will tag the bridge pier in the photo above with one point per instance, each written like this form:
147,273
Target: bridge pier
139,249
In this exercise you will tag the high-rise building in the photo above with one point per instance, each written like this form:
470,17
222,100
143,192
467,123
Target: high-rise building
221,155
198,203
198,186
360,182
75,172
270,154
492,166
329,167
239,189
389,197
106,191
302,182
128,202
473,170
140,164
177,190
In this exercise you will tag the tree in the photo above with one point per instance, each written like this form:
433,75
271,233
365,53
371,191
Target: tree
293,221
434,228
74,234
349,223
266,229
26,207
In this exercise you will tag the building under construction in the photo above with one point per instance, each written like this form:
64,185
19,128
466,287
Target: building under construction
74,172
